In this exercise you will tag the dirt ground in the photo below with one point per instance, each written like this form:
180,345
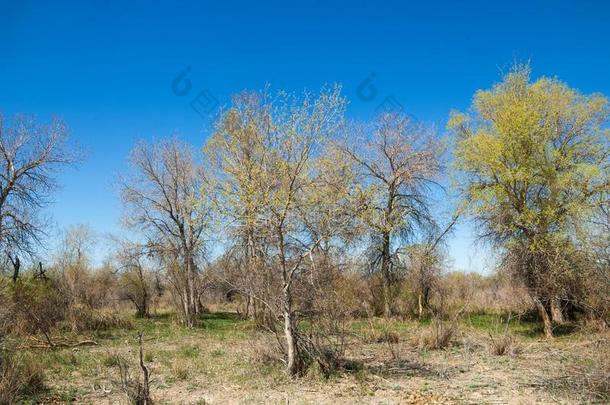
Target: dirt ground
225,360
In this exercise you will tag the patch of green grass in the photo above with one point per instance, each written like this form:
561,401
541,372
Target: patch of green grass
189,351
221,324
496,323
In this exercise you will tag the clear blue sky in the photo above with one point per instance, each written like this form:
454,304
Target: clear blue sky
107,68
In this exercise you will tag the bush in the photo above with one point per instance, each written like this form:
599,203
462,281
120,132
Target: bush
20,378
438,336
502,345
86,319
33,306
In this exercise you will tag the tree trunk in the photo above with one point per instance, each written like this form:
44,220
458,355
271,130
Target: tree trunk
144,313
292,361
546,320
385,270
420,308
187,307
16,266
250,309
556,312
292,355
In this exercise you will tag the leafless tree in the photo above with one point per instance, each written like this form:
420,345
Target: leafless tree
164,201
30,156
77,246
398,162
136,277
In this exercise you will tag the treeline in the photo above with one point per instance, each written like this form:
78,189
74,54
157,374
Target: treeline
296,213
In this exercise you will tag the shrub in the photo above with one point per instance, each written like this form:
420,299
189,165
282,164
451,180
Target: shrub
438,336
502,344
20,378
86,319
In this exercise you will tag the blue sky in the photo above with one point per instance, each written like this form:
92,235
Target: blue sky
107,68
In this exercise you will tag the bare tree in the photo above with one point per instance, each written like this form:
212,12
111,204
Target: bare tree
424,262
136,279
30,156
164,201
76,246
398,163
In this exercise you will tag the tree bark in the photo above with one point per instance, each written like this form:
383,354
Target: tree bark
292,355
16,266
556,313
385,272
546,320
292,361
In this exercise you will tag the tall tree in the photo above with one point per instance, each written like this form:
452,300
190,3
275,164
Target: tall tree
398,163
30,156
270,147
533,159
237,154
165,201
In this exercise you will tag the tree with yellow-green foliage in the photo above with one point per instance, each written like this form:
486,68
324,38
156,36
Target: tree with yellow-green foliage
265,153
532,159
236,156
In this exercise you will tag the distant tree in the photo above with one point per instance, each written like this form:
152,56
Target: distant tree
77,246
31,155
136,277
533,160
398,164
165,201
424,263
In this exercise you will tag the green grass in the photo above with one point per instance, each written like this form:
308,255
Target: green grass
497,324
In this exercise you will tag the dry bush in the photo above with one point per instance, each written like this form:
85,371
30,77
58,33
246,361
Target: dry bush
137,389
20,378
375,301
388,337
438,336
503,344
475,293
86,319
333,300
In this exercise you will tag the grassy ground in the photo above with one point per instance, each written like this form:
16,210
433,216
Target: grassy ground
222,360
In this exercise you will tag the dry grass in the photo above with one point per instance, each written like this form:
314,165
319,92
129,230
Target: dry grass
224,360
438,336
20,376
503,344
584,369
